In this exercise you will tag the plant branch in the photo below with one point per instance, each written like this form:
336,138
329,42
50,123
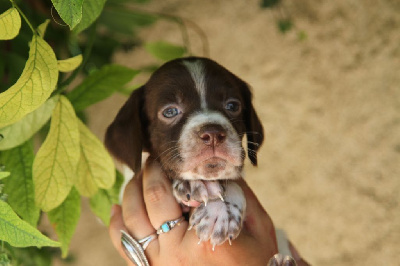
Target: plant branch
185,35
183,23
200,32
24,17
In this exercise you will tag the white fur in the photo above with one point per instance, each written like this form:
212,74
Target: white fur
189,147
196,70
128,175
219,220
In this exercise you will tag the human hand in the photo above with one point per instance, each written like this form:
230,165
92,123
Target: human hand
148,202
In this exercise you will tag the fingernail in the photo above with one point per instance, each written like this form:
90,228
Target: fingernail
220,196
205,200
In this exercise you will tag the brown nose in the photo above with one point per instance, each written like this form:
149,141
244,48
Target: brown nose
212,135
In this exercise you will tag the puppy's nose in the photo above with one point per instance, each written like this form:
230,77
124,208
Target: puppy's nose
212,135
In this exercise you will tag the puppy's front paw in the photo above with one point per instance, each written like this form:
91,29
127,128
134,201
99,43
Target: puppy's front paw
198,190
280,260
217,221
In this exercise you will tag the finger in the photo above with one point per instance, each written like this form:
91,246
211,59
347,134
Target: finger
299,260
134,213
257,221
114,231
191,203
160,203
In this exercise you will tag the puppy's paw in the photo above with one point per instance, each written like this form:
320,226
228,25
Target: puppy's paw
198,190
218,221
280,260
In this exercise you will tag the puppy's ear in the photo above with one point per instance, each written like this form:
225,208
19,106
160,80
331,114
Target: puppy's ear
126,137
254,128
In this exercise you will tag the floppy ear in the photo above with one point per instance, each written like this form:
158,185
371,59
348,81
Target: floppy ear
254,128
126,137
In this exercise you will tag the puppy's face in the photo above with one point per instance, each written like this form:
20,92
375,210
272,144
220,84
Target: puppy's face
193,114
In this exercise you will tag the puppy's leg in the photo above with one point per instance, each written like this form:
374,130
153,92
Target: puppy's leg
219,220
198,190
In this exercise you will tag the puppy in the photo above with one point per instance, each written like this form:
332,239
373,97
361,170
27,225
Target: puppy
191,117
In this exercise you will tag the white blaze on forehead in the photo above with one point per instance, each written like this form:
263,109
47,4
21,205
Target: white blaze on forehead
196,70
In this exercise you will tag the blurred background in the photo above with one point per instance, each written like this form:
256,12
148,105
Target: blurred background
326,83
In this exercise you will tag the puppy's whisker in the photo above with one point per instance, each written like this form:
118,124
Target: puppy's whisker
171,156
249,133
169,160
236,119
168,151
168,143
252,152
254,143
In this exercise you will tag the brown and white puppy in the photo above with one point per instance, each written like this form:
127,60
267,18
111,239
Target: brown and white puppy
191,117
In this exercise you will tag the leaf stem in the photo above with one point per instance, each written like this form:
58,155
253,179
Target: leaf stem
24,17
86,54
183,24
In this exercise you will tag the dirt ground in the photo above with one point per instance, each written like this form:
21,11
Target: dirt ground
330,104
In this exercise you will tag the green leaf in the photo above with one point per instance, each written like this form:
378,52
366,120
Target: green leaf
19,186
24,129
5,260
269,3
69,64
4,175
19,233
54,167
91,10
128,90
165,51
43,27
64,219
34,86
69,10
96,167
30,256
123,20
114,192
285,25
10,23
99,85
102,201
118,2
100,205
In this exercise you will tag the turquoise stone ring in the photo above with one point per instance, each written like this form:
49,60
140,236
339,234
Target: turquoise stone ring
168,225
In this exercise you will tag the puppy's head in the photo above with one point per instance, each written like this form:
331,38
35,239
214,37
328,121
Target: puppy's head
191,116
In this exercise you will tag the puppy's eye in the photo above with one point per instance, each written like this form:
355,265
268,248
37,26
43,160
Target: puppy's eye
171,112
233,106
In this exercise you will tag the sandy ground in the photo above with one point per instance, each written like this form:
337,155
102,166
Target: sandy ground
330,104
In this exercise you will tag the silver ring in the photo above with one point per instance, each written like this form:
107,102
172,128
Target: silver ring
134,250
278,260
168,225
146,241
